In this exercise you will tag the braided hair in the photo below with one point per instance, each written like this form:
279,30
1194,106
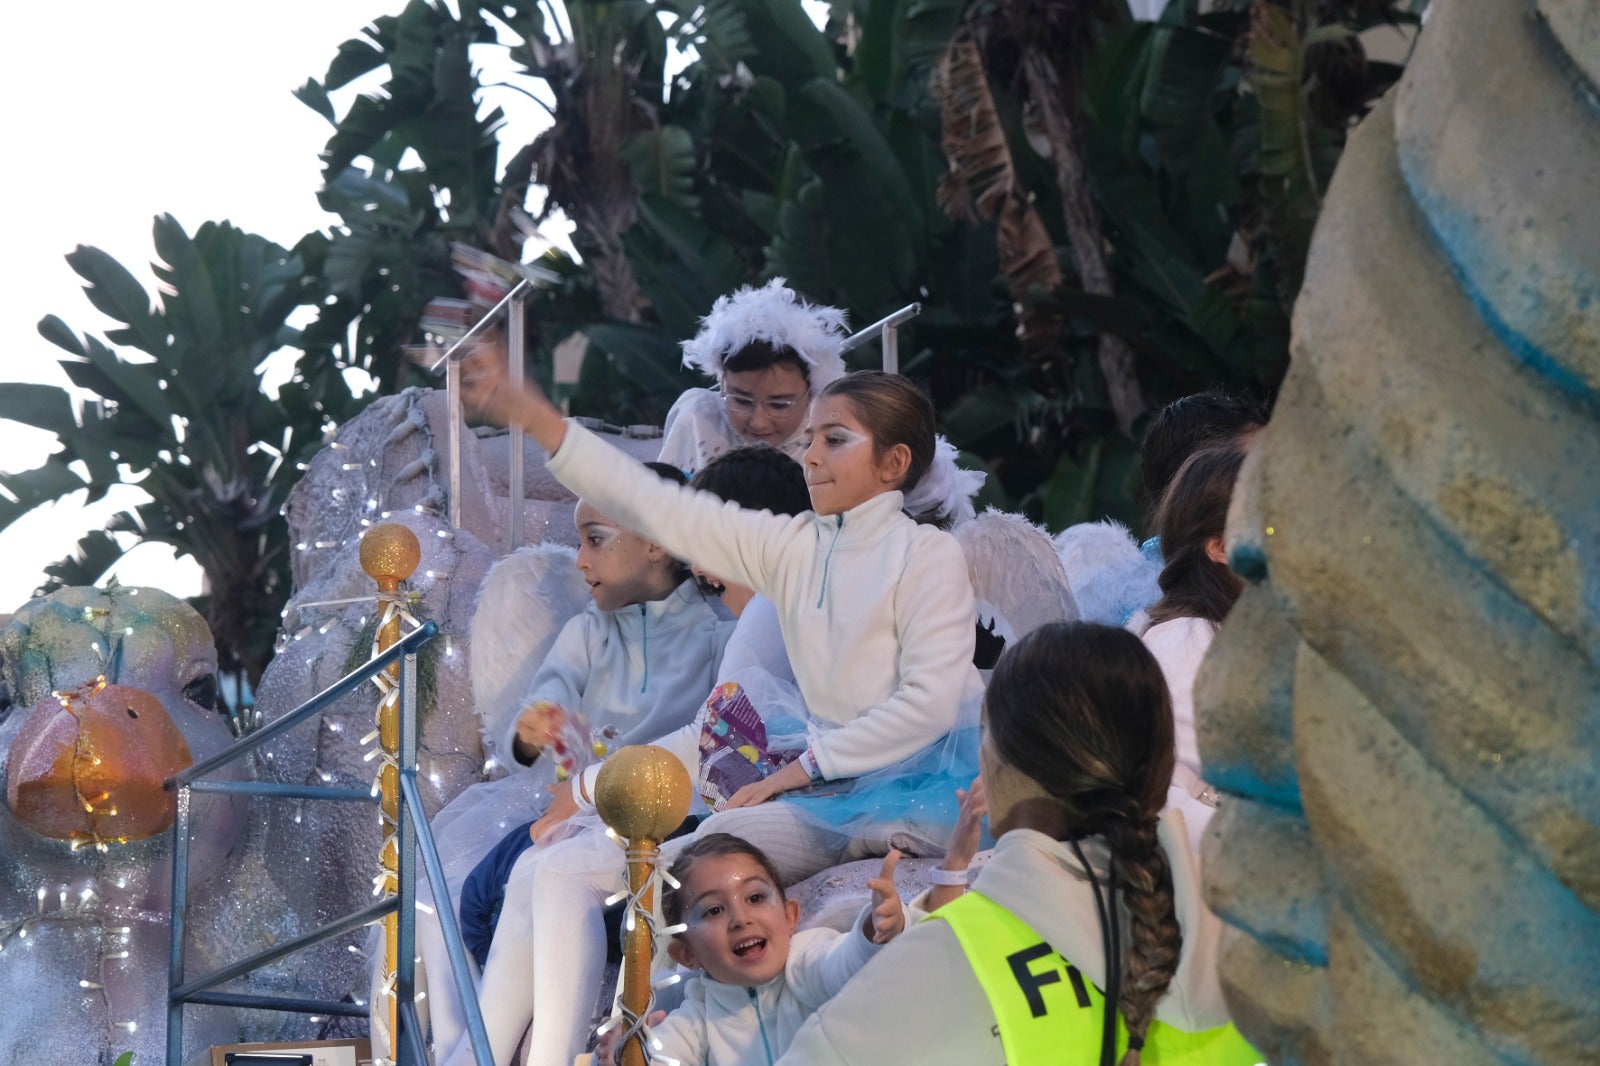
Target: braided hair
1083,710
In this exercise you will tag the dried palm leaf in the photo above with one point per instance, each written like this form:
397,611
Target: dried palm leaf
982,184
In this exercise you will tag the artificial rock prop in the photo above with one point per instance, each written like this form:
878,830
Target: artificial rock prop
111,691
1403,707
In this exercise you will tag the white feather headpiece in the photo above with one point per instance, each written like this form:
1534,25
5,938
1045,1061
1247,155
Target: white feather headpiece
774,313
945,490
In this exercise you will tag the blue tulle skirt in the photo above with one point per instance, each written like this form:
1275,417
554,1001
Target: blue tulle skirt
915,797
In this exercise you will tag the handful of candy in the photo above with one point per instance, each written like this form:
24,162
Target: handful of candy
733,746
565,739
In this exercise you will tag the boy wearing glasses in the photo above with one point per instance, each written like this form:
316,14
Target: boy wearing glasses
769,351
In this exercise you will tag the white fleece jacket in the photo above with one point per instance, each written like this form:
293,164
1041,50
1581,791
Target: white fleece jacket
731,1025
876,611
697,431
1180,645
940,1013
756,645
643,669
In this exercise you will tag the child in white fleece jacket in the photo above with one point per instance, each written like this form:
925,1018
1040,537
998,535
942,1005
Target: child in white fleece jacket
877,617
762,980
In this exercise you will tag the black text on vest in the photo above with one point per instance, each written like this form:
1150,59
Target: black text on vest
1031,982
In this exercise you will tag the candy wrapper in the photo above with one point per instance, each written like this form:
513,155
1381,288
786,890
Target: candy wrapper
576,746
733,746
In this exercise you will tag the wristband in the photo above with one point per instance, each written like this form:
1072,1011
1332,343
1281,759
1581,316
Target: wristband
808,763
948,878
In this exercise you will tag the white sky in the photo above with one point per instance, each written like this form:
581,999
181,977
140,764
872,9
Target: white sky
127,111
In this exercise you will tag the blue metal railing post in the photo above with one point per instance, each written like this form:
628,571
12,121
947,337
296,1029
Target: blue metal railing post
180,906
414,840
477,1035
406,841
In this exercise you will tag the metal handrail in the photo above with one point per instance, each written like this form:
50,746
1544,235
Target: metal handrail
341,688
887,329
512,303
414,835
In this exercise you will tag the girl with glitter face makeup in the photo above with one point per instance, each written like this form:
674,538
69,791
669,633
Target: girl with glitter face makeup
759,979
876,613
635,664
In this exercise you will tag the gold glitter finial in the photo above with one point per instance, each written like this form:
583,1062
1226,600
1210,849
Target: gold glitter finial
642,793
390,553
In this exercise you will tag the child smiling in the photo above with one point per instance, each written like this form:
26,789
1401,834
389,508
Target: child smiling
761,978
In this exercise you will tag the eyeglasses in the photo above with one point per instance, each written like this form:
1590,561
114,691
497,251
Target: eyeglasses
746,405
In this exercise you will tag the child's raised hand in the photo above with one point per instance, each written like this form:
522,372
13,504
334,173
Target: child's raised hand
486,383
888,918
486,390
968,829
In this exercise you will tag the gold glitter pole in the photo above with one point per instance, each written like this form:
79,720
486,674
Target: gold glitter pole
390,554
642,793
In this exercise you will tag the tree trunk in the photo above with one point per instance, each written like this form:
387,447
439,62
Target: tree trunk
1084,236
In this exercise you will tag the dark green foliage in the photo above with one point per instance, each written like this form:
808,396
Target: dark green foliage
181,411
781,149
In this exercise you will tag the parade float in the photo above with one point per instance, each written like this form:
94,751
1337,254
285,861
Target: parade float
1399,711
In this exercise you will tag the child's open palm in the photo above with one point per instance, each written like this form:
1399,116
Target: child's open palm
486,387
968,829
888,918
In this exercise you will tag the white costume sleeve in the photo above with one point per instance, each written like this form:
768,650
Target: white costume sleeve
683,1032
935,619
562,676
947,1018
822,961
757,642
738,545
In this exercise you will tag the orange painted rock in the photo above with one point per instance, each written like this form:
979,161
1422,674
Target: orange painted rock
90,769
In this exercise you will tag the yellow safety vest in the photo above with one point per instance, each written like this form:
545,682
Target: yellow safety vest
1048,1013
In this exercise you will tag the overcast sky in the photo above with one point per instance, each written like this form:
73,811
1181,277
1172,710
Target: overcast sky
116,112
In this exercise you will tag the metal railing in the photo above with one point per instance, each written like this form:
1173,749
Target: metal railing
888,329
413,834
511,306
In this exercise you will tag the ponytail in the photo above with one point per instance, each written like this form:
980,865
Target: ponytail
1083,710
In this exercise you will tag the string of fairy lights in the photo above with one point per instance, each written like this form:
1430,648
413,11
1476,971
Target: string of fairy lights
637,1024
83,906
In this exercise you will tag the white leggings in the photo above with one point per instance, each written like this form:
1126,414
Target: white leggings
554,941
